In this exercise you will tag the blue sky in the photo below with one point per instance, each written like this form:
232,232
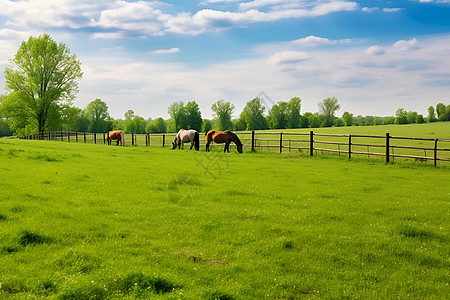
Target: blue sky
374,56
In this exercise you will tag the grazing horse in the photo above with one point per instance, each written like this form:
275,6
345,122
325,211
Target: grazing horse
186,136
116,135
223,137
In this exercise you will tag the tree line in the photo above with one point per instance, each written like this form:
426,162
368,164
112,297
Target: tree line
42,82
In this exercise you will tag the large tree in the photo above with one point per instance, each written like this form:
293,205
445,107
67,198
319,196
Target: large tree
293,112
223,111
277,116
194,116
253,115
97,113
178,113
41,80
327,108
440,111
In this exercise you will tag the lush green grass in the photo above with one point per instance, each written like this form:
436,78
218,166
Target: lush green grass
83,221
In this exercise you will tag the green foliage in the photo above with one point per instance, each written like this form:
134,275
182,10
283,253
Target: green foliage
156,126
401,116
97,114
431,114
253,115
207,125
440,111
348,118
194,116
223,111
277,116
327,108
293,112
42,78
177,112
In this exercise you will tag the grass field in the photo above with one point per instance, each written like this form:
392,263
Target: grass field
83,221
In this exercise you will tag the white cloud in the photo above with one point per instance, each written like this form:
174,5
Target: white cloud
287,57
215,20
370,9
392,10
313,41
406,45
165,51
375,51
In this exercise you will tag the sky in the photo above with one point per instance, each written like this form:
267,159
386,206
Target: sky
374,56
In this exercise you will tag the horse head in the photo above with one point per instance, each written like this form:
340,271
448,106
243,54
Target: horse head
174,144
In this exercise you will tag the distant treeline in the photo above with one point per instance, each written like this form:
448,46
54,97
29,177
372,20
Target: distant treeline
95,117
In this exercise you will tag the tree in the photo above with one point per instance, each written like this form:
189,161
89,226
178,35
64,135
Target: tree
440,111
327,108
207,125
222,115
277,116
420,119
156,126
293,112
135,125
97,113
194,116
42,78
431,114
412,115
401,116
348,118
178,113
4,128
253,115
315,120
129,115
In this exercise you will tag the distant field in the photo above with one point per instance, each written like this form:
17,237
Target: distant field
84,221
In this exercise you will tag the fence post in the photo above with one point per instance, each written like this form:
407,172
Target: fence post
76,136
164,139
68,136
387,147
281,142
62,136
435,151
349,146
95,138
104,138
132,139
311,143
253,140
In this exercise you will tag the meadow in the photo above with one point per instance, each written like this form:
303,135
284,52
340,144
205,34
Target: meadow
84,221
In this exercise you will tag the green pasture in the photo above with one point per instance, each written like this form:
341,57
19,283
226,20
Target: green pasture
85,221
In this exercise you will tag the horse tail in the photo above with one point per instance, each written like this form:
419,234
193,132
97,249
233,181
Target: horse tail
197,141
122,138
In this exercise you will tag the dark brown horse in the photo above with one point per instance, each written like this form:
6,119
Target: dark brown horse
223,137
116,135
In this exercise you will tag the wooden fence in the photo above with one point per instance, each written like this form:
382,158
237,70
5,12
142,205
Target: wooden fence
388,147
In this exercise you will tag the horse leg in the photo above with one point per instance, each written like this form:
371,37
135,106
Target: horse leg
207,147
192,145
117,142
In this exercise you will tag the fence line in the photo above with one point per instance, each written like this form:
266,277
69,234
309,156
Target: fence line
341,144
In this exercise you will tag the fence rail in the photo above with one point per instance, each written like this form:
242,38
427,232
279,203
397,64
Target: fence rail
387,146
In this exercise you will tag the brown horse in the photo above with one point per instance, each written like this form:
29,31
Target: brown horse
116,135
223,137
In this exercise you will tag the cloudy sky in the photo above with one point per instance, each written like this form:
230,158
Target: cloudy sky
374,56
